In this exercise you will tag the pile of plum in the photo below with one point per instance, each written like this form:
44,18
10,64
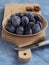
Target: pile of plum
24,24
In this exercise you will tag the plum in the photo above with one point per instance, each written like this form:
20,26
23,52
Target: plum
16,20
10,28
29,31
35,28
40,24
9,21
19,14
30,15
12,16
38,18
20,30
25,20
30,24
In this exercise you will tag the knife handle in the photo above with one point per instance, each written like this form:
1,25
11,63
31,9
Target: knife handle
45,42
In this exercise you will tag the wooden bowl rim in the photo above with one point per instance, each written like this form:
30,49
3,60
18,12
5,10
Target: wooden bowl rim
26,35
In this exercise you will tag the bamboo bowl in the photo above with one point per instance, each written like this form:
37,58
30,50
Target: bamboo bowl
24,40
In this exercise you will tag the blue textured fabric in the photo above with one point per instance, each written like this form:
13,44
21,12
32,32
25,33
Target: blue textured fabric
8,56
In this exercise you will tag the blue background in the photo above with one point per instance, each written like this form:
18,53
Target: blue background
8,56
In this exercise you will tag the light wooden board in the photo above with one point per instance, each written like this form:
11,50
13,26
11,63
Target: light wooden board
12,9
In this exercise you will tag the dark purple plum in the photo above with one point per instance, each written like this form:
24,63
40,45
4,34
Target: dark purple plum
40,24
30,24
35,28
29,31
10,28
30,15
19,14
25,20
12,16
9,21
7,27
38,18
20,30
16,20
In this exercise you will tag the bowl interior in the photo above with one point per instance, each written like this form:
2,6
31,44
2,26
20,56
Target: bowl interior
44,26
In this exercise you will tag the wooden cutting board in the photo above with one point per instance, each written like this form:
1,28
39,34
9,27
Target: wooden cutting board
24,55
12,9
